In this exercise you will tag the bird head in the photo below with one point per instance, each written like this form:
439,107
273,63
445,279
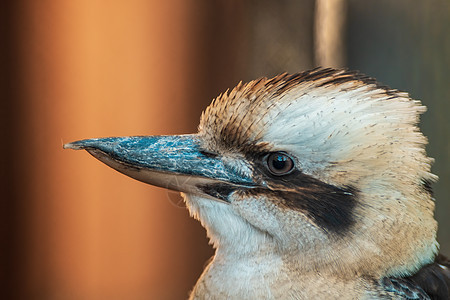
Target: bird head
325,168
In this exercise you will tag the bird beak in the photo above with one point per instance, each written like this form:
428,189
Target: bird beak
172,162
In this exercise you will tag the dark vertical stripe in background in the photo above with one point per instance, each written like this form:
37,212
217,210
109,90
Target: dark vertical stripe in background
73,229
12,196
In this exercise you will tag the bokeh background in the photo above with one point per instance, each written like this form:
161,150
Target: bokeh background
71,228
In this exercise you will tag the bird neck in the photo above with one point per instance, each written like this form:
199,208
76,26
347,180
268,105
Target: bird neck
249,263
270,276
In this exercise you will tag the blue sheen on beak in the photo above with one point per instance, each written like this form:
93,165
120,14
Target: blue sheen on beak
174,162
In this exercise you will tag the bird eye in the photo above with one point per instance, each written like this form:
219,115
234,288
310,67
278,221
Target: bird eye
279,163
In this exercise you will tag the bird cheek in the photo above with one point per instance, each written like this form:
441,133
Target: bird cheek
290,228
257,211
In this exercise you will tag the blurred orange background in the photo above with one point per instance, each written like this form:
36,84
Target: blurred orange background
74,229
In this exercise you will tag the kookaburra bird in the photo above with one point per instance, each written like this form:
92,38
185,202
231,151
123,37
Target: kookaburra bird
310,186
